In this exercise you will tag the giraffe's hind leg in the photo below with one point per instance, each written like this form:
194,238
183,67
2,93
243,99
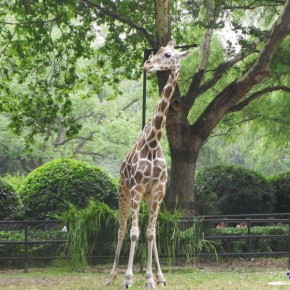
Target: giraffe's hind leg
159,275
136,198
124,209
154,206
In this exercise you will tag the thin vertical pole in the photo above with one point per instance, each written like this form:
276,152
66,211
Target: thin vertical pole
146,55
144,98
25,249
249,239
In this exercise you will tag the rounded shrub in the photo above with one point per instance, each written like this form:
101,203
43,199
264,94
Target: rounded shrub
49,188
281,185
10,203
233,190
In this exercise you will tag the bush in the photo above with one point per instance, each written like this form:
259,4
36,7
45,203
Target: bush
281,185
16,180
89,230
49,188
233,190
257,244
92,230
10,204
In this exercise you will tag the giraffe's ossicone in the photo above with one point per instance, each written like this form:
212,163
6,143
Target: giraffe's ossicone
144,173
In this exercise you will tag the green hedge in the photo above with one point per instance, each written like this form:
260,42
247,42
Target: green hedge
10,203
281,185
49,188
257,244
232,190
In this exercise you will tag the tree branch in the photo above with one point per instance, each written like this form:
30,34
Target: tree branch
7,44
193,90
29,22
85,116
5,147
83,142
220,134
112,14
255,4
89,138
129,105
238,89
279,31
225,66
90,153
207,37
219,72
256,95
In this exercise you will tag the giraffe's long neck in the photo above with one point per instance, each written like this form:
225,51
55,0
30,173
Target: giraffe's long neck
159,118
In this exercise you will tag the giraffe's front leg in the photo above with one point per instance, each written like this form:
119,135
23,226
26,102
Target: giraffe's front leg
134,235
150,283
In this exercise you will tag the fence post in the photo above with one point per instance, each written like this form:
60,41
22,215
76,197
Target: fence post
25,249
249,239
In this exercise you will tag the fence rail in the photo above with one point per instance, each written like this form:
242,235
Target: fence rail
249,220
29,227
24,226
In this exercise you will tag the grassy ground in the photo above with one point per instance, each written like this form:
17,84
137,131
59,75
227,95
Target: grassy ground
227,276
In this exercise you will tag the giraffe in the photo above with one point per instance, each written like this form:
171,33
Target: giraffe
144,173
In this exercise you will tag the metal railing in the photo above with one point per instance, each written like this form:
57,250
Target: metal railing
28,228
248,221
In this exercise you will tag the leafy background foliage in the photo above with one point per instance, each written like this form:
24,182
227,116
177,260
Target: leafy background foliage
281,185
10,203
232,190
62,61
70,82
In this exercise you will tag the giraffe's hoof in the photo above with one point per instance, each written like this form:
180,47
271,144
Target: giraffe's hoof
127,285
161,280
162,283
111,280
128,281
150,284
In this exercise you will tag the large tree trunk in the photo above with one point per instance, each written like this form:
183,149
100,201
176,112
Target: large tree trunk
184,149
182,183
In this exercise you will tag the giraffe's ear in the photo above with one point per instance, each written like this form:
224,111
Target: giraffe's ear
184,53
171,43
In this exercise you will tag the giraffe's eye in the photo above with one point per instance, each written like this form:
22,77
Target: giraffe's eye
167,54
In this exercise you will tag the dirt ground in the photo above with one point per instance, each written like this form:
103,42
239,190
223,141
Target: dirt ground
259,264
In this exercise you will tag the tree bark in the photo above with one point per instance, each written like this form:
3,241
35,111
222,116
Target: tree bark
183,165
162,22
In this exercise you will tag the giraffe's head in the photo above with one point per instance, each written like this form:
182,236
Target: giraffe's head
167,58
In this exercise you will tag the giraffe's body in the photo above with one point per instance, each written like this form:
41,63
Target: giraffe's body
144,174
